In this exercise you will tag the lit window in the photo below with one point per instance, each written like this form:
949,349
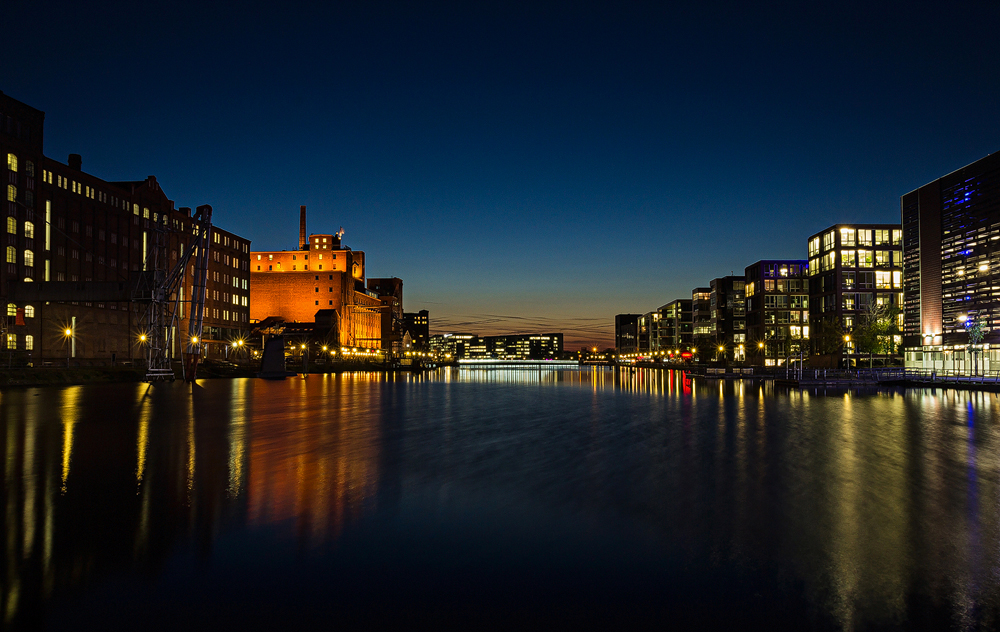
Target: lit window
29,342
29,311
11,254
29,258
11,225
29,230
12,162
11,309
11,193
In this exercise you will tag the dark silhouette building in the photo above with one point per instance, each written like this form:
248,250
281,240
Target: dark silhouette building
417,324
627,333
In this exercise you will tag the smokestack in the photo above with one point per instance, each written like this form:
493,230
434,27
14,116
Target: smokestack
75,161
303,244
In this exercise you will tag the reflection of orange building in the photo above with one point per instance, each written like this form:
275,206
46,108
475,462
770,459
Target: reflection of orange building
322,274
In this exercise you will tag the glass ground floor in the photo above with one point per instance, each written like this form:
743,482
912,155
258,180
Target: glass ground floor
954,359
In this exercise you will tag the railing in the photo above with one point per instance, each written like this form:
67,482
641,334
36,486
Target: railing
898,374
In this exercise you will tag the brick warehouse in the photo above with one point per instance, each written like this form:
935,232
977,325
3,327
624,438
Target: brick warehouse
323,274
63,224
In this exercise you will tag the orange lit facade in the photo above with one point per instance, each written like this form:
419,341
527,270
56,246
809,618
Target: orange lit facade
322,275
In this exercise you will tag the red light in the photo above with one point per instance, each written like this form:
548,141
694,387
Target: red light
687,354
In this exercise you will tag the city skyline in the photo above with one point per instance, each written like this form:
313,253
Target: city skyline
521,170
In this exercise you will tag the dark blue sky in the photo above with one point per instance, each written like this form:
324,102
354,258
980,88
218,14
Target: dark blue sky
521,167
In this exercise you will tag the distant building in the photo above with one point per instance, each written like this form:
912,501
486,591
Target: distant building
417,324
322,274
627,333
951,228
673,328
777,294
851,268
525,346
729,315
457,346
701,317
390,294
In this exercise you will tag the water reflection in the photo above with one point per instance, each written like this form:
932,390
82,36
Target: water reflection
840,510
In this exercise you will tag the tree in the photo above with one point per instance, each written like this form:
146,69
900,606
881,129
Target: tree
828,335
976,329
876,330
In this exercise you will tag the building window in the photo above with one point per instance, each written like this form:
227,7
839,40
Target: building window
11,225
317,302
29,258
29,230
11,254
11,193
11,309
29,342
317,289
12,162
847,259
29,311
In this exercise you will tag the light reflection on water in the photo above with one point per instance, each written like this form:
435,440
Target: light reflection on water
841,510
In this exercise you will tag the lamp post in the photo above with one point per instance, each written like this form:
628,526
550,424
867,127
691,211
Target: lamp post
68,333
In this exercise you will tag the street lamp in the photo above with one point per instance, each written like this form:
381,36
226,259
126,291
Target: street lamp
68,332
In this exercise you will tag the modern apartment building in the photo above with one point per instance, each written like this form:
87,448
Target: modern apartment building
701,318
777,295
853,268
728,312
627,333
951,232
674,327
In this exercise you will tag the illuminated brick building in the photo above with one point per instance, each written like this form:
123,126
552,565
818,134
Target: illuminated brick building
322,274
65,225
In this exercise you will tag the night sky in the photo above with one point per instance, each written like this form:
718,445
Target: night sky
522,168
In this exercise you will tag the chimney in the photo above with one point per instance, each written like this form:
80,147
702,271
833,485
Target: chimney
303,242
75,162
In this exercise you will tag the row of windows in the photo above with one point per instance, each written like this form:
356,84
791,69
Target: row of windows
29,256
270,257
29,311
29,342
857,237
